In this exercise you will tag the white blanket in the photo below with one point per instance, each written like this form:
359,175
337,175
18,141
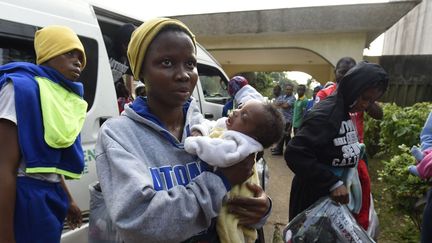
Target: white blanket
231,148
247,93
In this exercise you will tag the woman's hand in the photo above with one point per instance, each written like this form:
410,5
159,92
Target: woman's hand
74,217
250,210
240,172
340,195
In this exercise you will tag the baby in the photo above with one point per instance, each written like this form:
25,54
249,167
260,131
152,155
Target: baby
423,155
246,130
249,129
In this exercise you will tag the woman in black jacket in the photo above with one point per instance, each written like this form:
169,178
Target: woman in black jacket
326,143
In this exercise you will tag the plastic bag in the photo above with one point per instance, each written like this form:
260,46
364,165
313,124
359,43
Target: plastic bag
373,229
263,172
101,228
325,222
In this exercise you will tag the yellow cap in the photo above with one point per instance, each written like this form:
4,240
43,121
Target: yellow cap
55,40
143,36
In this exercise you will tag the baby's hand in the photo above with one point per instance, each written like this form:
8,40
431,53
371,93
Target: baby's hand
196,133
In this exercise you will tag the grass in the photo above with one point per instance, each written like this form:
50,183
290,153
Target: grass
393,226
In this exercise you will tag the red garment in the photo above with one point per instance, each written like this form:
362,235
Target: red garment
322,94
121,102
363,216
358,119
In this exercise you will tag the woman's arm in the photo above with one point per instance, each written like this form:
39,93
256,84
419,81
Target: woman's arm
375,111
74,216
9,162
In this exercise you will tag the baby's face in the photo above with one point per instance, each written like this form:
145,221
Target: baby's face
245,119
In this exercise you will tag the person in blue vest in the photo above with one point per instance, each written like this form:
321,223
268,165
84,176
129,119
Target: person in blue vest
41,115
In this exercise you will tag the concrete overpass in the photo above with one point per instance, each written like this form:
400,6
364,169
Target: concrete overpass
306,39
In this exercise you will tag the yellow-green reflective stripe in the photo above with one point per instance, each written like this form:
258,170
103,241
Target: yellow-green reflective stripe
53,170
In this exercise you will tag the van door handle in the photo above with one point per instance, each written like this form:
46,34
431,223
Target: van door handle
208,115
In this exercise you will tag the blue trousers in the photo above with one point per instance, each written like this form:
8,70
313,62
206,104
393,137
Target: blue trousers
40,210
426,232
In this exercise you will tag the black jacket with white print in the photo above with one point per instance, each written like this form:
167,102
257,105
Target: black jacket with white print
327,140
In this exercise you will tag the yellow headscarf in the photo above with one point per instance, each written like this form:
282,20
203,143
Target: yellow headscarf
55,40
143,36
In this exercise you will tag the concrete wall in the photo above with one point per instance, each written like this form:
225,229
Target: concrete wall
412,35
320,72
407,55
244,40
324,50
264,40
331,47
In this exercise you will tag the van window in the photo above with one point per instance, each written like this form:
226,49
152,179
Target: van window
89,75
16,45
214,84
16,42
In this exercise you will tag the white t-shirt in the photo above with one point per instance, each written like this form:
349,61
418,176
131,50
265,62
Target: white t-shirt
7,104
7,111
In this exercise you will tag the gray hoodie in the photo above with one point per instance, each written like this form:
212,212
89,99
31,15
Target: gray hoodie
154,190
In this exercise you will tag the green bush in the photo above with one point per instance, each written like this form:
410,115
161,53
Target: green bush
402,126
372,135
392,138
404,188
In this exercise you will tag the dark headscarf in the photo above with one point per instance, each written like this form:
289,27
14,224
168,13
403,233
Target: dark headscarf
335,107
122,38
360,78
143,36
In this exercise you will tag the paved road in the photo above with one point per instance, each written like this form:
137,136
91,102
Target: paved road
278,189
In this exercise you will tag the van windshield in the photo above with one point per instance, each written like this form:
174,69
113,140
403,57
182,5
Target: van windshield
214,84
